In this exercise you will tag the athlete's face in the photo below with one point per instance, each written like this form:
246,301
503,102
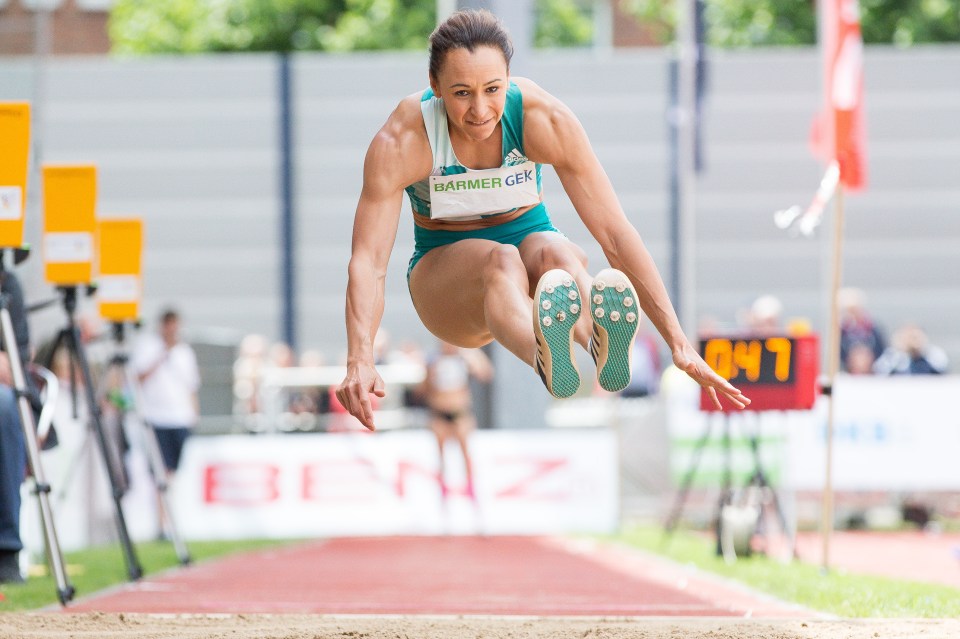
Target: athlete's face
473,86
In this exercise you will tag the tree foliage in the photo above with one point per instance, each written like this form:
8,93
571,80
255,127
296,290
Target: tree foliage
563,23
192,26
742,23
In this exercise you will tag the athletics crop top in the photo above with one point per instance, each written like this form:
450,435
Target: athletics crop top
454,193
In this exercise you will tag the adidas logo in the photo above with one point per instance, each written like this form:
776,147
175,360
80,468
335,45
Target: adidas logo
514,157
541,366
595,344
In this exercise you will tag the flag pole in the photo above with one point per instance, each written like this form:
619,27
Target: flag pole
833,359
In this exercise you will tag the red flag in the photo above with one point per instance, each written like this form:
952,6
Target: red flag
839,132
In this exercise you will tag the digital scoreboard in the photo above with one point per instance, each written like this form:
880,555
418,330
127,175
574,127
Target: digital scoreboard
776,372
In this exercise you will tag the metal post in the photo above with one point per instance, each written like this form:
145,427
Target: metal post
686,154
444,9
833,366
288,286
673,212
603,26
517,15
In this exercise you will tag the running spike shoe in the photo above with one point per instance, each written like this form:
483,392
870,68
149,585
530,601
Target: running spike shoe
616,317
557,306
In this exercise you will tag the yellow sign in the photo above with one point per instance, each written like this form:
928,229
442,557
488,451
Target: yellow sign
69,207
14,151
120,244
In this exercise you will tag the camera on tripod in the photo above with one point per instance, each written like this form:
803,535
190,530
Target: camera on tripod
778,372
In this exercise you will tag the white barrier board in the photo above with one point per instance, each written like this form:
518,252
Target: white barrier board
527,482
890,433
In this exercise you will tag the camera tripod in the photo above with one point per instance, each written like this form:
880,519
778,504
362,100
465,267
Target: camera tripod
65,590
69,338
757,481
120,362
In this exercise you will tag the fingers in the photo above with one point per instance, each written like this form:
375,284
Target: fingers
356,400
737,400
743,399
713,384
365,415
734,396
712,392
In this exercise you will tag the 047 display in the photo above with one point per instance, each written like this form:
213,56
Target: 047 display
777,372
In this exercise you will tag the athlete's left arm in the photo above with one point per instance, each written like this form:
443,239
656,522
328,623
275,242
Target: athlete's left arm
553,135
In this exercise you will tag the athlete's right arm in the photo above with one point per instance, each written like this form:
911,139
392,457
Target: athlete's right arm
387,170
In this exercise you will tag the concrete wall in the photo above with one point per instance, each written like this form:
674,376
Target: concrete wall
191,144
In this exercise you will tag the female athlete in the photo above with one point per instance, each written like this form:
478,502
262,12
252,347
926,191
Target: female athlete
488,263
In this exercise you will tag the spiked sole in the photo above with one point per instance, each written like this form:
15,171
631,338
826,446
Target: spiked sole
616,317
556,311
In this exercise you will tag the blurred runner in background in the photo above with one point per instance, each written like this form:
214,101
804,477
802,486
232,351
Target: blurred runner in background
448,396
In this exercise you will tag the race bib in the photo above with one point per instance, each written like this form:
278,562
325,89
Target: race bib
476,193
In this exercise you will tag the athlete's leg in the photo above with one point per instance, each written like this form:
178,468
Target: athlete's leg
466,423
440,428
473,291
542,252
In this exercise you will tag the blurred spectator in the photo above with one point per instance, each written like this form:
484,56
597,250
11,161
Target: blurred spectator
313,401
409,352
281,355
860,360
381,346
766,315
167,370
54,354
246,374
645,367
857,329
447,391
294,410
311,358
911,354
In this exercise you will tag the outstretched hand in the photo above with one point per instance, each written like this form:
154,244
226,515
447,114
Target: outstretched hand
354,392
690,362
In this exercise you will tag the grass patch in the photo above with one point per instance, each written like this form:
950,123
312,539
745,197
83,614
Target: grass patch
837,593
95,569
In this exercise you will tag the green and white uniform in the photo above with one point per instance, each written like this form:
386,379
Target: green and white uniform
457,203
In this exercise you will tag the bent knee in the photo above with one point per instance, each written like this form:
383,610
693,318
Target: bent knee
563,255
504,261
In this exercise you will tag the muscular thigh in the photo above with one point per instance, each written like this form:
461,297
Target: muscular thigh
447,287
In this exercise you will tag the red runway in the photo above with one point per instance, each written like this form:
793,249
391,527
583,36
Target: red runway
441,576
